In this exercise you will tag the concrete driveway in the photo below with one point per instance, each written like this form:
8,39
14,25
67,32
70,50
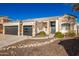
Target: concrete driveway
6,40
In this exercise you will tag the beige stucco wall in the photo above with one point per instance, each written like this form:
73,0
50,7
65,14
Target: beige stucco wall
43,29
46,28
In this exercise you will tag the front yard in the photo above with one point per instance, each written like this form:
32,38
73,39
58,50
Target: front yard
52,49
60,47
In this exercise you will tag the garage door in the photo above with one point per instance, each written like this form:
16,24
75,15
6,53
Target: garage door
13,30
27,30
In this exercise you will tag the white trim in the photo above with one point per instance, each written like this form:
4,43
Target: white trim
56,25
28,23
11,24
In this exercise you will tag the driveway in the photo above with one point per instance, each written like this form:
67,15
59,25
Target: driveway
6,40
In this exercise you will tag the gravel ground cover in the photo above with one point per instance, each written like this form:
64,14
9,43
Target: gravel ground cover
46,50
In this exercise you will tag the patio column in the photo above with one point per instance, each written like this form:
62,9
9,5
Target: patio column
57,26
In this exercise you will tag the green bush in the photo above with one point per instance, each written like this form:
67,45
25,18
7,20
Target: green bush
70,34
42,34
59,35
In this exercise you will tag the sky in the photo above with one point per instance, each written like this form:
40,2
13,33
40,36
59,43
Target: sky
23,11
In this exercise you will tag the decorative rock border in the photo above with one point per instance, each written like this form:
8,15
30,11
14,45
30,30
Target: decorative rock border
33,44
29,45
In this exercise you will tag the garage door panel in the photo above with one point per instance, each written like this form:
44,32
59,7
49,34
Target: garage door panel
27,30
11,30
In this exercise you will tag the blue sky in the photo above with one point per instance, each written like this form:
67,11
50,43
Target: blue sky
35,10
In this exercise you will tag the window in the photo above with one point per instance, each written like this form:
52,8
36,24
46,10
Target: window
65,26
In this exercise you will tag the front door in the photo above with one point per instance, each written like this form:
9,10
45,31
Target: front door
53,27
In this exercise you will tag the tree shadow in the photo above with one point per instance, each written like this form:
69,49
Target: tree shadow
71,46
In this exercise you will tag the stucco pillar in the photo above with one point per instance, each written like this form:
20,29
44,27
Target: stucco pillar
18,29
3,30
48,27
75,28
57,26
22,31
33,30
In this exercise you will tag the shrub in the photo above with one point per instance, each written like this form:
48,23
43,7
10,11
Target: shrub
70,34
42,34
59,35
